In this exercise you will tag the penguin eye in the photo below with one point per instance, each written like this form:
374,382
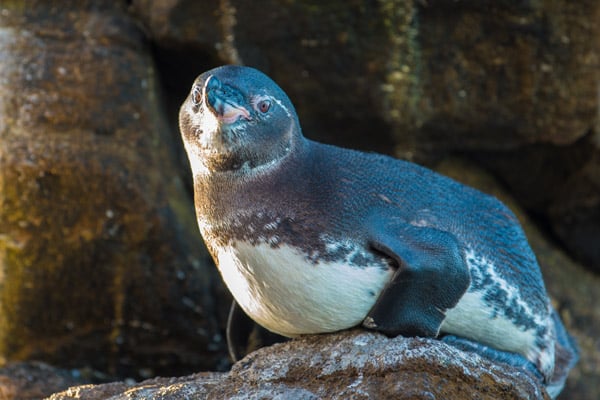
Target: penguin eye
196,95
263,105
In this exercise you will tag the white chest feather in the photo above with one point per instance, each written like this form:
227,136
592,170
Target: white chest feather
289,295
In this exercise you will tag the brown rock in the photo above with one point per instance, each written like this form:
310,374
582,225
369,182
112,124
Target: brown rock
100,260
33,380
436,75
354,364
561,184
499,74
575,212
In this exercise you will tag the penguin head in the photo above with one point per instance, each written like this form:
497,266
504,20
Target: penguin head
236,118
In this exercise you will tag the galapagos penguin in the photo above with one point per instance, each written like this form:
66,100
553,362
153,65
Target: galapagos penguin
311,238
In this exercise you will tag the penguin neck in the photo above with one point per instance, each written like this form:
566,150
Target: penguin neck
244,164
222,186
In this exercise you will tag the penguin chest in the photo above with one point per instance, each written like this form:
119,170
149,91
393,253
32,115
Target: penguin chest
290,294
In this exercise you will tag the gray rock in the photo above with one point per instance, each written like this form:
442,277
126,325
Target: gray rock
348,365
34,380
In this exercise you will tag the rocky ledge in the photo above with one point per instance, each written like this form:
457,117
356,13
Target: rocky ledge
348,365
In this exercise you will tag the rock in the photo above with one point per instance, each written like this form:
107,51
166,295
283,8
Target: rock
195,387
33,380
101,263
431,77
361,364
575,213
355,364
499,74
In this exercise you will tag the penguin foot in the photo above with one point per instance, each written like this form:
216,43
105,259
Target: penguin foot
513,359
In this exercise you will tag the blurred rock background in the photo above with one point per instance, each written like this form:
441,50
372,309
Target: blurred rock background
102,270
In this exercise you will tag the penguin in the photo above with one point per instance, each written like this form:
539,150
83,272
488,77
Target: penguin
311,238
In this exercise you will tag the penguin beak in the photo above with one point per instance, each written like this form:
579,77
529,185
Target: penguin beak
224,101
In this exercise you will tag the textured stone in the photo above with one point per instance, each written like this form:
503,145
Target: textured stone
354,364
195,387
575,212
33,380
500,74
435,76
100,260
367,365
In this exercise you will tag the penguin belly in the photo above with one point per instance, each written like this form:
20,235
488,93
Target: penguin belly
291,294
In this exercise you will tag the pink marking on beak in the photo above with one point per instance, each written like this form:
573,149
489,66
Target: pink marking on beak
229,113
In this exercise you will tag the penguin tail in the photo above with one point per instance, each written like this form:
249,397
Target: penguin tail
566,356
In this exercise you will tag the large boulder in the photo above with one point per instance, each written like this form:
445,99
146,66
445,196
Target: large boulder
101,263
355,364
561,184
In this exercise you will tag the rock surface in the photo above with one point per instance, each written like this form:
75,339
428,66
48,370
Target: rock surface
437,73
33,380
101,264
568,192
356,364
195,387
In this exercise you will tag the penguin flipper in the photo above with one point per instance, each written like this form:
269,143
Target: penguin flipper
432,276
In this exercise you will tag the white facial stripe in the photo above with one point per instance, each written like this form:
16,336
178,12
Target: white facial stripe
280,104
